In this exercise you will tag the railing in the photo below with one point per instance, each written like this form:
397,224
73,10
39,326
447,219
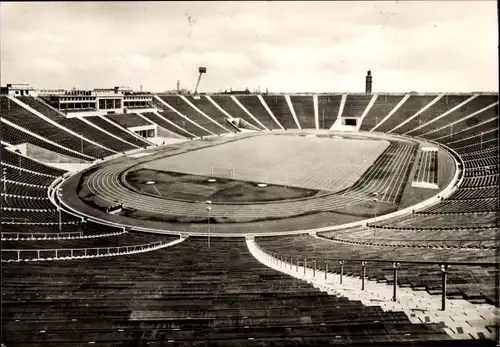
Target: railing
484,244
315,265
74,253
14,236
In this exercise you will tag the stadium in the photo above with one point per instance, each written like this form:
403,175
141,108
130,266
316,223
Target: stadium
134,218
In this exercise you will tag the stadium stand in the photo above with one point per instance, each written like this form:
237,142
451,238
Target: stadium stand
185,123
180,105
304,109
416,276
355,105
76,125
381,108
204,105
23,162
328,108
165,124
128,120
27,120
117,130
471,109
255,107
446,103
279,107
15,136
224,296
414,104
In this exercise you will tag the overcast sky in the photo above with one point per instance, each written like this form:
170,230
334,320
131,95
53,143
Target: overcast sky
427,46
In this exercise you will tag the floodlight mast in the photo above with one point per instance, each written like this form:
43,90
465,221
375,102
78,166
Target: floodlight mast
201,70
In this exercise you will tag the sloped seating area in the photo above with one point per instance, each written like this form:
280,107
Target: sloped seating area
414,104
16,159
383,105
117,130
435,238
26,202
219,295
180,105
471,111
12,173
165,124
78,126
419,221
446,103
187,124
15,136
279,107
205,106
254,106
29,121
17,188
465,206
27,216
303,106
468,282
128,120
355,105
328,109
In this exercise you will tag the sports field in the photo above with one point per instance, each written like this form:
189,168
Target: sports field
305,162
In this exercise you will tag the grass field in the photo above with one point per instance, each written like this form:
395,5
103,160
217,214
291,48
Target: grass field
175,185
313,163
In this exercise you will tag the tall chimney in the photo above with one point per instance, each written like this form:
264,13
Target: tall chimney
178,86
368,84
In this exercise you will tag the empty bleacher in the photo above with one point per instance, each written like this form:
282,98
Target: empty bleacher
15,136
128,120
27,120
76,125
180,105
466,110
165,124
279,107
447,102
303,106
117,130
414,104
383,105
427,277
21,161
219,294
328,109
255,107
355,105
205,106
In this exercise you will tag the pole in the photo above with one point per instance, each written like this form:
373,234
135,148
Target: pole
208,228
59,213
481,140
81,145
341,270
326,269
444,271
363,264
395,266
4,183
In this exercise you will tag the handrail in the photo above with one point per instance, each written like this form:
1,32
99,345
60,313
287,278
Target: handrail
416,243
368,260
95,251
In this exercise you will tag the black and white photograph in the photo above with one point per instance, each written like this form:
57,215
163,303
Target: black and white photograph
249,173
